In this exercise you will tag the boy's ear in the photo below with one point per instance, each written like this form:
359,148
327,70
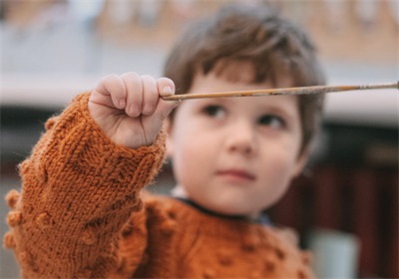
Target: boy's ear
169,139
301,162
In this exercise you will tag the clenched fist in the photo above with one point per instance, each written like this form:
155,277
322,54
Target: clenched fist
129,108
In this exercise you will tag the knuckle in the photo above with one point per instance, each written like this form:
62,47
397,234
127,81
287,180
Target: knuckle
149,84
130,77
111,78
148,78
130,74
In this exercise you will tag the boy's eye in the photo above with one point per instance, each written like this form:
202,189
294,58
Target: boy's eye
214,110
272,121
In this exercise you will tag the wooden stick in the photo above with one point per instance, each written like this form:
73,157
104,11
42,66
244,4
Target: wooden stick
282,91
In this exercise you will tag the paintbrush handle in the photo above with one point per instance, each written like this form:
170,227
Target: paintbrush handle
283,91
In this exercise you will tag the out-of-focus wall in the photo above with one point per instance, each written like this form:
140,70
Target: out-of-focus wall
76,44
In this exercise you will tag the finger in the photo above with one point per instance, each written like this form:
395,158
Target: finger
166,87
113,86
134,90
150,95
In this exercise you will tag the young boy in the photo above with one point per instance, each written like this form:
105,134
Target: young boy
82,211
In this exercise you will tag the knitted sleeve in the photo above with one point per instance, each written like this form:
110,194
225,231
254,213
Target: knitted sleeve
78,189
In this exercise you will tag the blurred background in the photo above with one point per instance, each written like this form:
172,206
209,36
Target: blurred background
345,207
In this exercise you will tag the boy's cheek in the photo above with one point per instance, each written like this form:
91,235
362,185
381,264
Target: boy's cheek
301,162
168,128
169,147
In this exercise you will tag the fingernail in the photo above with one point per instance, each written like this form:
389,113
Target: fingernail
122,104
167,90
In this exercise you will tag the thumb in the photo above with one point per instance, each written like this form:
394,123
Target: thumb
166,87
164,108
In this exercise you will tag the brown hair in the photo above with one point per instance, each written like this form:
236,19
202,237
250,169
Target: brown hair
276,47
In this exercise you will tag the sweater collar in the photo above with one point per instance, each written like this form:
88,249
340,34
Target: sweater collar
263,219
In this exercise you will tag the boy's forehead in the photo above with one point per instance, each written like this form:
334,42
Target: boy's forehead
212,82
235,71
244,71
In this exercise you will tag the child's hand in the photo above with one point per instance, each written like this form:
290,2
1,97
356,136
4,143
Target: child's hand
129,107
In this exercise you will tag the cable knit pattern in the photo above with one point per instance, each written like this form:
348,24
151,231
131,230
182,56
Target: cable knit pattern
80,215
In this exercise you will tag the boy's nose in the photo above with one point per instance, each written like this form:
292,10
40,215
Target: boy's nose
241,138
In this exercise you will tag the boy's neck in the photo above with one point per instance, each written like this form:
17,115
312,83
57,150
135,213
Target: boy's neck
180,193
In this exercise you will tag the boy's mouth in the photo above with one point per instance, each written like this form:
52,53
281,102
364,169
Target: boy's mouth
239,174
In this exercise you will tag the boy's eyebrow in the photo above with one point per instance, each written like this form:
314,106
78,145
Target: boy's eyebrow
319,89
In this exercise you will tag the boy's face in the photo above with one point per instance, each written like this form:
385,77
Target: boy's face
235,155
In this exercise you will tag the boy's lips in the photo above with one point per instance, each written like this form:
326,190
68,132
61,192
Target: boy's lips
237,174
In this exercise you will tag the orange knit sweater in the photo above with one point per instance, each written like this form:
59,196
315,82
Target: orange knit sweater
81,214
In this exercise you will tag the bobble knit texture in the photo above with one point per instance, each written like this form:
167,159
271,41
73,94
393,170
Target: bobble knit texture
82,214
